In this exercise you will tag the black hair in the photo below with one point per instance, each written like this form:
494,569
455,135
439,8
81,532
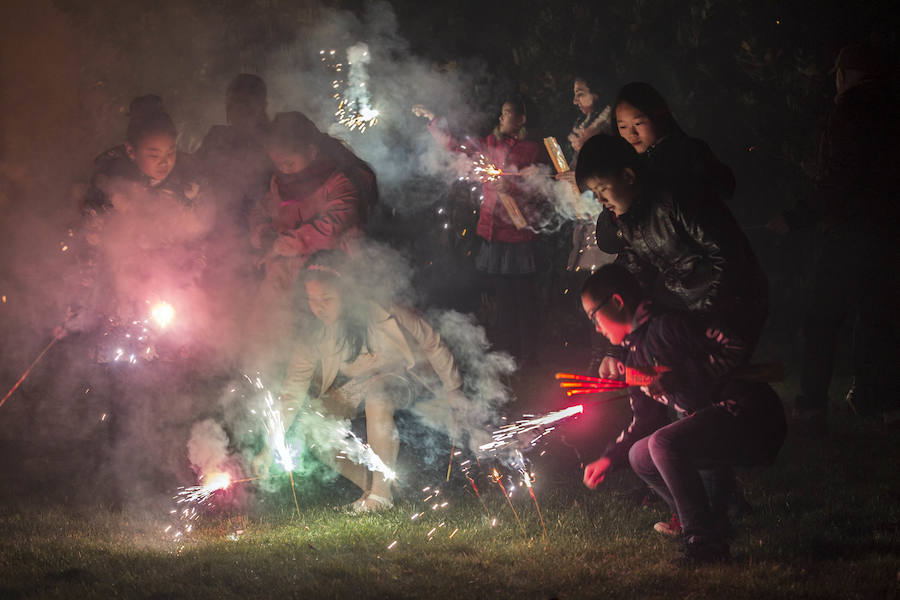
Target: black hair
247,86
332,267
613,279
589,80
295,132
605,156
147,116
518,103
646,99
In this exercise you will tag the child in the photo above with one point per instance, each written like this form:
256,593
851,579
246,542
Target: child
148,161
507,256
730,421
317,200
688,250
644,120
358,357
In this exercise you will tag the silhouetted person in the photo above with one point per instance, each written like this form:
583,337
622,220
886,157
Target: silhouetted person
854,200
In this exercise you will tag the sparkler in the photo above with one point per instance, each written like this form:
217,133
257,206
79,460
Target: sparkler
496,477
528,478
509,433
486,171
28,370
274,426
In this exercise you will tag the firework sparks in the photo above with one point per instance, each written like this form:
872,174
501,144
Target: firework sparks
498,479
508,434
163,314
528,478
200,494
354,109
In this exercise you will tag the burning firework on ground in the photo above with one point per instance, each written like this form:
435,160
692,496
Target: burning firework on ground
510,434
352,94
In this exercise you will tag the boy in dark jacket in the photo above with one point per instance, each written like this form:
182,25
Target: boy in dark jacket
729,421
687,250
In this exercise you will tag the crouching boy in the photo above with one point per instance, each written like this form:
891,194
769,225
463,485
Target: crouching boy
729,422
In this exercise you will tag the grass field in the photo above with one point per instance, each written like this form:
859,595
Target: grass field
826,524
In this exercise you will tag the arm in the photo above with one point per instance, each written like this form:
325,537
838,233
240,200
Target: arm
339,214
648,415
431,345
295,388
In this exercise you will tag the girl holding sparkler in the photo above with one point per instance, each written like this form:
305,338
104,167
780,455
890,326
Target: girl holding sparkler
507,221
317,199
359,356
730,421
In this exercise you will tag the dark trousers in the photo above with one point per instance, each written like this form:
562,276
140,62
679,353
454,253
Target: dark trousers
670,460
855,278
517,314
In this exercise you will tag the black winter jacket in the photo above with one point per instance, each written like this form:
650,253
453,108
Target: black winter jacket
702,357
677,162
704,260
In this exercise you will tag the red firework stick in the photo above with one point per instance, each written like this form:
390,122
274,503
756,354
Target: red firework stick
578,377
610,385
28,370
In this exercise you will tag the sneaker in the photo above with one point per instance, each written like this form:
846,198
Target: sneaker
703,551
671,528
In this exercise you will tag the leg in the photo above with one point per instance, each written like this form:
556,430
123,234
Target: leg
644,467
383,437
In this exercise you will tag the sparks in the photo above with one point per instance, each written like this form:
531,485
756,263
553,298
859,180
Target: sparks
509,433
163,314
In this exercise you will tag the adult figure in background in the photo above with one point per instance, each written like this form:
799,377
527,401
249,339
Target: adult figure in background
233,156
316,200
585,255
507,257
854,199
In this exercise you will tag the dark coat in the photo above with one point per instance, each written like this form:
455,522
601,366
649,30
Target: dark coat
677,162
702,357
703,259
856,173
113,168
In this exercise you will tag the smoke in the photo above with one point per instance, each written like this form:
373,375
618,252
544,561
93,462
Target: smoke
208,447
103,277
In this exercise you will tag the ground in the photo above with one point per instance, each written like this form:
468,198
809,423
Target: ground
825,523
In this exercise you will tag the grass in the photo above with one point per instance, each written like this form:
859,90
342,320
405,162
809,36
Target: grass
826,524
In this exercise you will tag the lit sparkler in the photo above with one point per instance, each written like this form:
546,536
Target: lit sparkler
486,171
510,433
274,426
498,479
528,478
163,314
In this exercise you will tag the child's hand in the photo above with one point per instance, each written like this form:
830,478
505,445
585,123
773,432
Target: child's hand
421,111
595,472
610,368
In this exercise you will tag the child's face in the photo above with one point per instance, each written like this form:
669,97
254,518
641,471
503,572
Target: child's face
154,155
635,127
290,161
615,193
324,301
609,318
584,99
510,121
